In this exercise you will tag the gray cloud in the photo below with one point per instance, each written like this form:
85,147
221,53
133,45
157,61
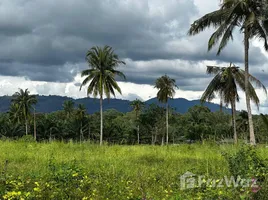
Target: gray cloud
47,40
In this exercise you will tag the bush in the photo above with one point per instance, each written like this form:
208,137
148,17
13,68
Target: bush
247,164
27,138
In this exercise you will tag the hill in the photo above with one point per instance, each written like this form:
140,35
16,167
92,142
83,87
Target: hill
53,103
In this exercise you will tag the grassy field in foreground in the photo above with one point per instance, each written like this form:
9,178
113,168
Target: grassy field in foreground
86,171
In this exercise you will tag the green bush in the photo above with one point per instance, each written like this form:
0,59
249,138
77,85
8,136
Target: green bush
246,163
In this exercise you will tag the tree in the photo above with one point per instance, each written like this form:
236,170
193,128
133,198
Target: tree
166,89
137,106
265,120
101,75
242,123
225,83
68,107
251,17
81,114
25,101
15,113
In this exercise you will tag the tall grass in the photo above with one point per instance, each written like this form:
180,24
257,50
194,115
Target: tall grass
149,171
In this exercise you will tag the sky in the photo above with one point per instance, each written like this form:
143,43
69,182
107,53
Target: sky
43,46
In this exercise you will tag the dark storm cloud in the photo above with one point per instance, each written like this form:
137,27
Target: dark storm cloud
44,40
188,75
55,73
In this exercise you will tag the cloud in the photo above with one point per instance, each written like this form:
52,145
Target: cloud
45,40
43,45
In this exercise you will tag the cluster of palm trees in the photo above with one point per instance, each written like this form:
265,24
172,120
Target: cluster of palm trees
226,83
100,78
21,106
251,18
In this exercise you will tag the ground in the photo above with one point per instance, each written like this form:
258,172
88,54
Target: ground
87,171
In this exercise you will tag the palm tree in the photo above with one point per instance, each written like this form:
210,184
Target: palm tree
251,17
25,101
15,113
101,75
225,83
166,89
68,107
81,114
242,123
137,106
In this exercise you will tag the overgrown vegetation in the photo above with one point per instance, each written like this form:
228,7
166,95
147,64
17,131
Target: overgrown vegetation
57,170
197,125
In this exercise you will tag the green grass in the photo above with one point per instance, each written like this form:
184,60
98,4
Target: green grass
113,172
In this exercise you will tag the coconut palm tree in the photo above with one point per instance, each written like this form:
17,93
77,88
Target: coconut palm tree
226,83
251,17
80,115
101,75
25,101
137,106
242,123
166,89
68,107
15,113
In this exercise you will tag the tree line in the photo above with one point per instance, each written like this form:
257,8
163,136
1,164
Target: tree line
145,124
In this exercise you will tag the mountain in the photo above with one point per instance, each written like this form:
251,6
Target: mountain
53,103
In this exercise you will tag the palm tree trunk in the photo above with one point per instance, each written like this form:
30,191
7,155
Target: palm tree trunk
152,137
138,133
26,121
221,105
50,138
89,131
34,126
234,120
101,121
250,121
26,125
167,122
81,132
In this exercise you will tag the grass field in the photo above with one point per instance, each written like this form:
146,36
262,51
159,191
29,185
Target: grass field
87,171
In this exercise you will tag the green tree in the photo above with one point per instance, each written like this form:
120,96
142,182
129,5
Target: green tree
68,107
242,123
251,17
15,113
25,101
166,89
265,120
225,83
81,112
101,76
137,106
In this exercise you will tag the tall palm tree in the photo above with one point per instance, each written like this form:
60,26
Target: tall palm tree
25,101
101,75
68,107
137,106
226,83
251,17
81,114
166,89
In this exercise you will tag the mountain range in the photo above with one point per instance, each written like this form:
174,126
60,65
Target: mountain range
47,104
